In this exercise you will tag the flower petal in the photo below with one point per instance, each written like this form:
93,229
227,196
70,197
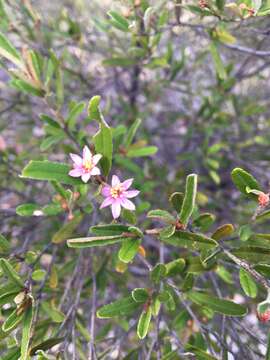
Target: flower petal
95,171
107,202
127,204
106,190
131,193
76,159
87,155
115,180
86,177
116,209
127,183
96,158
77,172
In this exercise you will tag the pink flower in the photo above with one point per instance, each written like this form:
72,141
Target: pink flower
85,166
117,195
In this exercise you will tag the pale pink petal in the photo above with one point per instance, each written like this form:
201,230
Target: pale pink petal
106,190
131,193
115,180
77,159
95,171
107,202
86,177
127,204
87,155
96,158
127,183
116,209
76,172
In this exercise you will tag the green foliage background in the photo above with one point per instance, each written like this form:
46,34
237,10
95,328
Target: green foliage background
172,94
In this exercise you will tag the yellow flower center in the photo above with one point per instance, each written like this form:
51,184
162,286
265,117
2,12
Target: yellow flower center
88,165
116,191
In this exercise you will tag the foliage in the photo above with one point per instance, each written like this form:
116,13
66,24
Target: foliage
152,108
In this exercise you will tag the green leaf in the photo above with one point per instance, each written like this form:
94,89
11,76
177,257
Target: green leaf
13,354
164,296
8,51
171,355
204,221
220,69
103,138
56,315
11,273
132,132
223,231
135,230
243,180
50,141
12,321
155,305
245,232
189,199
121,307
93,109
224,36
39,275
26,209
168,231
95,241
224,274
67,230
248,284
45,345
190,240
220,4
76,110
263,269
52,209
144,151
222,306
177,200
26,332
128,250
161,215
129,216
200,354
118,21
254,254
263,216
175,267
8,297
27,88
196,266
188,282
50,121
144,322
158,272
112,229
140,295
47,170
104,146
4,244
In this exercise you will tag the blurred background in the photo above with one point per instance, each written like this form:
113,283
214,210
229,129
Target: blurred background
199,85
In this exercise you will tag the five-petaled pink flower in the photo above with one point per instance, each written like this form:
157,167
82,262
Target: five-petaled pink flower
117,195
85,166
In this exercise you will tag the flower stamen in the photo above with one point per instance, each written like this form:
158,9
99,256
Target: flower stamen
116,191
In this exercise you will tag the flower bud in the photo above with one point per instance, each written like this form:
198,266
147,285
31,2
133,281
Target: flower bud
263,199
263,311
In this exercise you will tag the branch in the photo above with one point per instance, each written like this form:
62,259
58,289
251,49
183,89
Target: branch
243,49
